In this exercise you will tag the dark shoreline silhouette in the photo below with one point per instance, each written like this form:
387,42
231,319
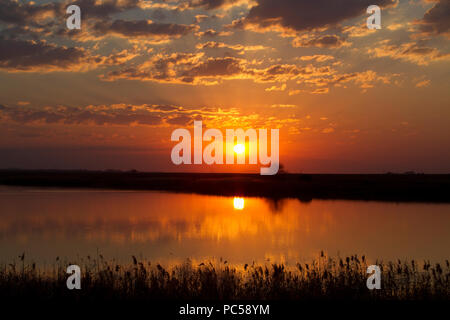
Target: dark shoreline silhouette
377,187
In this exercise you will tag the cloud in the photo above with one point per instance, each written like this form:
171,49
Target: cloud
365,80
199,18
196,69
211,33
40,56
423,83
294,92
34,119
414,52
143,29
214,4
310,23
328,130
237,47
325,41
19,55
316,57
276,88
306,15
129,115
185,68
284,106
320,91
19,13
116,114
436,20
160,68
31,20
142,115
286,72
97,115
361,30
104,9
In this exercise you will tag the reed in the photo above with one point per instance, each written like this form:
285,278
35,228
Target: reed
324,278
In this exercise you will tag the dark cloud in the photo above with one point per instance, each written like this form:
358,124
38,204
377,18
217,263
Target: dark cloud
105,8
182,120
303,15
436,21
143,28
209,4
24,55
214,67
13,12
20,13
39,56
325,41
31,20
212,33
165,108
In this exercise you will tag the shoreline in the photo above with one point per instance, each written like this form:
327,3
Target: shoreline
433,188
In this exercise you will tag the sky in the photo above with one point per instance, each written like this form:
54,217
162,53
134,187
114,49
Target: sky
345,98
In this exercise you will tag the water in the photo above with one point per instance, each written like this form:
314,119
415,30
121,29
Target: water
168,228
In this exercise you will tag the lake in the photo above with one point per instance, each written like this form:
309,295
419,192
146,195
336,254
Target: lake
169,227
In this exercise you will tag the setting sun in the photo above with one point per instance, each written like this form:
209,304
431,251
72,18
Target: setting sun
239,148
238,203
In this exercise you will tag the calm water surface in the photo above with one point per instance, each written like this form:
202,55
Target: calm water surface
168,228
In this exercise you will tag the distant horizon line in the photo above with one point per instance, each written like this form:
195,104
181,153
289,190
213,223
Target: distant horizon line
408,172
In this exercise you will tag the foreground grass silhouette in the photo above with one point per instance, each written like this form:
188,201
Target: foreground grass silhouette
324,278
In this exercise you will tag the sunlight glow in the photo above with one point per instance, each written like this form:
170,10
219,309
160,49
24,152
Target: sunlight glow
238,203
239,148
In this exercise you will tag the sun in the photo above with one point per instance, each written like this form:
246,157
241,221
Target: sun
238,203
239,148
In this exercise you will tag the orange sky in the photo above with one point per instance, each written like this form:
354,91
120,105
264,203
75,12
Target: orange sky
345,98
